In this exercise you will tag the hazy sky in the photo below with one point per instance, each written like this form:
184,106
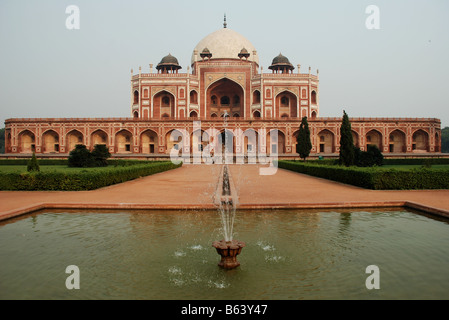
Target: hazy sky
400,70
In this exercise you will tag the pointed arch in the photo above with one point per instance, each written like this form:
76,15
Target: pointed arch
27,141
286,102
164,103
193,97
99,137
73,138
123,141
50,141
225,94
326,141
149,142
374,137
256,97
420,141
173,144
313,97
398,142
199,140
275,143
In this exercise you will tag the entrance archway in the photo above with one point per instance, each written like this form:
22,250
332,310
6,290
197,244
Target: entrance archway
420,141
374,137
275,142
99,137
27,142
326,141
397,141
50,142
225,96
164,105
286,105
149,142
74,138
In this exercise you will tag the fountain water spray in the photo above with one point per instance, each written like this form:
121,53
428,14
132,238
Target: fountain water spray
226,199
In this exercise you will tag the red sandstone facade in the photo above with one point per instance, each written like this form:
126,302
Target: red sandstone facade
226,91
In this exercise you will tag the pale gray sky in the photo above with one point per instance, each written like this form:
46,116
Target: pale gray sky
401,70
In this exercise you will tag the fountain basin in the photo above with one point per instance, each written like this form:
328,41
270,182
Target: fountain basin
228,250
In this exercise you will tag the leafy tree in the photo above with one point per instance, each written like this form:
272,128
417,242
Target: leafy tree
33,165
81,157
445,140
303,139
346,142
371,157
100,155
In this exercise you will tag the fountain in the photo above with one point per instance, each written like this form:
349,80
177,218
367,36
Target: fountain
226,199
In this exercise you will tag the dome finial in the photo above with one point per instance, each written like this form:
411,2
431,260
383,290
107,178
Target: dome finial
225,24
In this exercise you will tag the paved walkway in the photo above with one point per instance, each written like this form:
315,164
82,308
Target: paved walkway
194,186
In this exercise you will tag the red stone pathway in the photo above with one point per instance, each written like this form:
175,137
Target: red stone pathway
194,186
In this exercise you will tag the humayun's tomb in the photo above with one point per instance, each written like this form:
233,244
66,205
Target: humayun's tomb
227,90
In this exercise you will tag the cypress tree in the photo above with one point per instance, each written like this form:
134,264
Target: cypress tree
303,139
33,165
346,142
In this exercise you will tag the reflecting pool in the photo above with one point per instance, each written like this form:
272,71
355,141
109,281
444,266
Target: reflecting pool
289,254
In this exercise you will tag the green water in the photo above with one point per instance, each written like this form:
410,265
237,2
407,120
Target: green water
168,255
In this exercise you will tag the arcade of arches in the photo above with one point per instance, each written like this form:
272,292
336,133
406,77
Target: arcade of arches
154,141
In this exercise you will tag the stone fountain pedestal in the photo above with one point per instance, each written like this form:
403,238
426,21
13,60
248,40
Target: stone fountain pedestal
228,250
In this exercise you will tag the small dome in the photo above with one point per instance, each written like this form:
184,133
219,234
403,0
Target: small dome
206,53
280,59
168,61
281,62
244,50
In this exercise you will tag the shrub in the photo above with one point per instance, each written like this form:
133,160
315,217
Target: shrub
100,155
33,165
80,157
371,157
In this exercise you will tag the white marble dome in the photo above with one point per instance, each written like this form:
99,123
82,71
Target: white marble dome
225,44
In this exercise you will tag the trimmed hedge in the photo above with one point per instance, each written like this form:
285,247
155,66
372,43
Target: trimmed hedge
375,178
88,179
64,162
416,161
24,162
